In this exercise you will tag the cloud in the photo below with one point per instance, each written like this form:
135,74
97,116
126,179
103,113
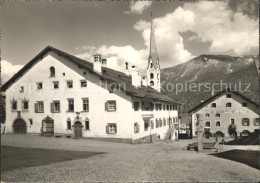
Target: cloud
213,22
138,7
8,70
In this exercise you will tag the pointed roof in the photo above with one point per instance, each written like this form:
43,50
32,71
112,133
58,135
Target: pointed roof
107,74
254,107
153,55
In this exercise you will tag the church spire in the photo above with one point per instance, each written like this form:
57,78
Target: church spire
153,55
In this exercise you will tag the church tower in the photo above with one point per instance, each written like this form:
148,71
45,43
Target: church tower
153,69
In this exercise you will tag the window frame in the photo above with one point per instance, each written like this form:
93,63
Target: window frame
83,86
69,86
39,84
108,126
69,125
244,103
213,105
219,124
87,104
228,95
70,100
243,121
227,105
23,102
207,122
136,107
87,125
53,106
37,107
107,105
12,105
255,122
55,83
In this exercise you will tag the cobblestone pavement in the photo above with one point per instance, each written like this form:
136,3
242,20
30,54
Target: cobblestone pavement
125,162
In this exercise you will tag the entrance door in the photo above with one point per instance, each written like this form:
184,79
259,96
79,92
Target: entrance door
77,130
19,126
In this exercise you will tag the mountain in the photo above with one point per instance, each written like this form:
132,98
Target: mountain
198,75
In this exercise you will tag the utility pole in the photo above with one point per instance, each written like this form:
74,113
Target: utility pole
199,133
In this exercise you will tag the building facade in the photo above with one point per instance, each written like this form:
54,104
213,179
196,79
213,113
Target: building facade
223,109
57,94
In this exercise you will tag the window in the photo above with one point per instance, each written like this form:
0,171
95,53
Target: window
14,105
170,107
167,121
167,107
136,106
136,128
21,89
228,105
207,124
25,104
83,83
257,121
56,84
160,122
110,105
157,123
112,88
151,65
173,120
218,124
151,83
70,105
39,86
164,122
84,73
245,121
213,105
68,125
52,72
111,128
63,74
146,125
228,95
217,115
70,84
151,76
39,107
55,106
244,104
85,104
31,121
87,125
164,107
152,125
147,106
232,121
207,115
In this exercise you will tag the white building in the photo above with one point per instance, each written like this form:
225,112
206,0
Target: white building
224,108
57,94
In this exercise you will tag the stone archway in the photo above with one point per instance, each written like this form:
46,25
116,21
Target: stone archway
19,126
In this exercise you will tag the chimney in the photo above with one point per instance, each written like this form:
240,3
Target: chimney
97,63
144,81
126,69
136,78
104,62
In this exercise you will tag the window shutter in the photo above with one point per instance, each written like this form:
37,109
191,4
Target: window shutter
107,130
52,107
116,129
105,106
115,105
35,108
138,127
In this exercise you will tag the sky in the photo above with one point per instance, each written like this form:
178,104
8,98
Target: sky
120,30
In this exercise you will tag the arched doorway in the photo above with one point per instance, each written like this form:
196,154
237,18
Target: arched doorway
47,127
77,130
19,126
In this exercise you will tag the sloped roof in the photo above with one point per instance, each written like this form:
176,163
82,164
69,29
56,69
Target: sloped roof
214,97
108,74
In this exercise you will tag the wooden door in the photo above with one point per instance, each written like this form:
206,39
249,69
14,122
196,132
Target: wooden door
19,126
78,130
